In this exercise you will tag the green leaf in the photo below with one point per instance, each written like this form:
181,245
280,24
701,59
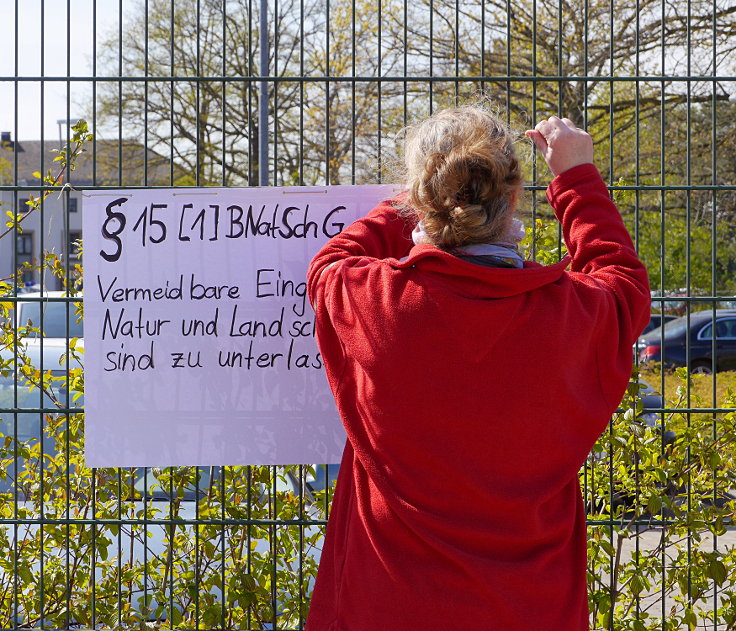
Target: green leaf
690,619
176,616
636,585
24,573
608,548
717,571
654,504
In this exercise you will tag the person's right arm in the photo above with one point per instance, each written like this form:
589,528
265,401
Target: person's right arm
599,245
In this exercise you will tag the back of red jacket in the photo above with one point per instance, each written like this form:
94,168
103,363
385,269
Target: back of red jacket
471,396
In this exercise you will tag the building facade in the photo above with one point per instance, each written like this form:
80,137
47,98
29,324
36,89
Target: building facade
56,227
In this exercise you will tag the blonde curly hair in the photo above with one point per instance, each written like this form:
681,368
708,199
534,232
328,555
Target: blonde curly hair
463,176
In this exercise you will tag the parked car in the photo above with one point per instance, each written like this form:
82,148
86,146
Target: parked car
46,344
656,320
688,341
54,314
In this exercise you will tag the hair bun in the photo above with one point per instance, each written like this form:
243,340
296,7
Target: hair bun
462,172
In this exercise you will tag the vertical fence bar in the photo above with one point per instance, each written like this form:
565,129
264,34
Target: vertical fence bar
456,87
146,74
301,95
172,72
535,120
662,203
483,45
688,293
66,253
275,110
223,98
120,92
714,256
197,103
14,236
637,197
328,93
93,490
200,135
42,511
611,181
224,473
379,84
263,96
353,93
431,56
508,60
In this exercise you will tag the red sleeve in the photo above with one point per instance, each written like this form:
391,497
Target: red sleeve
605,261
383,233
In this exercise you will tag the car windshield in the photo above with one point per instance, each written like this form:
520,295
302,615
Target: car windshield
54,318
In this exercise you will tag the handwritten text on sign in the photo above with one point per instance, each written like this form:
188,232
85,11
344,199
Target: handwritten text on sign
199,338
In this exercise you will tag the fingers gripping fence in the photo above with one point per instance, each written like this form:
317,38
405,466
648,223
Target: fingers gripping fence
239,93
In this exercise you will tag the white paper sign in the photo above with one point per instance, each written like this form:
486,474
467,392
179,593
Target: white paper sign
199,338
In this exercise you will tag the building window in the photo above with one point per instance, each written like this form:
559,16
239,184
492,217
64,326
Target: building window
24,254
23,205
74,245
73,204
24,244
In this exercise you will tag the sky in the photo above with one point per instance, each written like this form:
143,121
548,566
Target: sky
50,35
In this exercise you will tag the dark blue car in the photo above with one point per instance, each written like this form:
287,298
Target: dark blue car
689,341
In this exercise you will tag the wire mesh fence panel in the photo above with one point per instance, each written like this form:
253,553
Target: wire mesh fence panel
236,93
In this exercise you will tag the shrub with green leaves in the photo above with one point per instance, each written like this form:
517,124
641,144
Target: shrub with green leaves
656,510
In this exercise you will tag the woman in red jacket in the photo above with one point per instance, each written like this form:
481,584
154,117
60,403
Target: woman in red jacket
472,385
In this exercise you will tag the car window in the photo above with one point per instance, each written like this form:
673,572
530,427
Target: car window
725,329
54,318
729,328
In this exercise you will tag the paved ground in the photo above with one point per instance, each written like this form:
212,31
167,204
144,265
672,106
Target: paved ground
649,540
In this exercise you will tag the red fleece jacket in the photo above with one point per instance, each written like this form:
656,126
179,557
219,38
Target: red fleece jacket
471,397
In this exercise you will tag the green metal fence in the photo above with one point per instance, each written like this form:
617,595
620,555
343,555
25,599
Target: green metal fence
241,93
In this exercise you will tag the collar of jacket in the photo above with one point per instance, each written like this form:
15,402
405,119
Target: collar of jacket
479,280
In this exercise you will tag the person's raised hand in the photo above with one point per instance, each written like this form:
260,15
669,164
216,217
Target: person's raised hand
562,144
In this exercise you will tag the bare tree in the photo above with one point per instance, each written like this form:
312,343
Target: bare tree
197,100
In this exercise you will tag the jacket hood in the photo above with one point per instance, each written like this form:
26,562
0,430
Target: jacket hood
478,280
